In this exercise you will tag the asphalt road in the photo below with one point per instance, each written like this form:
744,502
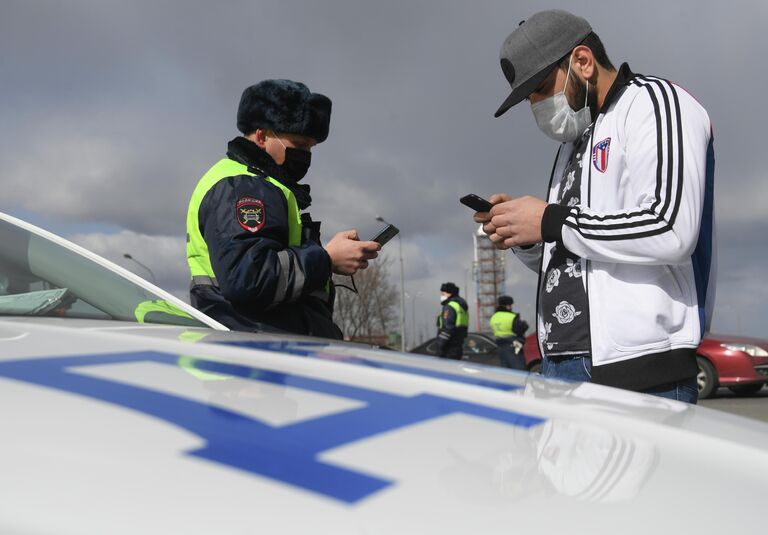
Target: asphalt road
755,406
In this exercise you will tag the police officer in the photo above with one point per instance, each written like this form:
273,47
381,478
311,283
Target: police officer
256,261
509,330
452,322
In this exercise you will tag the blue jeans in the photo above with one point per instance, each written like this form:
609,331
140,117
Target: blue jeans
579,368
685,390
576,368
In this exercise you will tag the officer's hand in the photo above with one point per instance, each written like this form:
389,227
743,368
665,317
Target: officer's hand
485,217
517,222
349,254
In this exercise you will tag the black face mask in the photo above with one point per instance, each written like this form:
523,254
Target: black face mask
296,163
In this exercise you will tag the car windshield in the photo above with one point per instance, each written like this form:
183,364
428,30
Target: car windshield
39,277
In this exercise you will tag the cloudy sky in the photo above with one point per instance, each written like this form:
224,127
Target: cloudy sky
111,112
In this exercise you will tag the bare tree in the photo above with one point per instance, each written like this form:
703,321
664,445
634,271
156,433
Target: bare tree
371,314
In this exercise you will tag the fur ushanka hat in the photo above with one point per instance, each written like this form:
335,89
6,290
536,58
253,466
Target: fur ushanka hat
284,106
450,288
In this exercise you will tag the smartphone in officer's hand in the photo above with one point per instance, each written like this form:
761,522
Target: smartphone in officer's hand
386,233
478,204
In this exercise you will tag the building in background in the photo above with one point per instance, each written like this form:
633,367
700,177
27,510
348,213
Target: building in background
490,278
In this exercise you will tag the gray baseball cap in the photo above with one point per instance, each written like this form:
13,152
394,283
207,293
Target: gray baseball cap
530,52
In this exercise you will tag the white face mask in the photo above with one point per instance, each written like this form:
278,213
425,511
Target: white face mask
443,297
557,119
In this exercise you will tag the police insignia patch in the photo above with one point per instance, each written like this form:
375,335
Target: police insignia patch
250,213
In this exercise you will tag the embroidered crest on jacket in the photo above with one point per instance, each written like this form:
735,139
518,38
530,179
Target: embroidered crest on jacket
600,154
250,213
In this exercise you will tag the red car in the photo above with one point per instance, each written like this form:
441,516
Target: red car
736,362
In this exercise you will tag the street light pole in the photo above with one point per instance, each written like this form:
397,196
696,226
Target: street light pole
402,286
129,257
414,341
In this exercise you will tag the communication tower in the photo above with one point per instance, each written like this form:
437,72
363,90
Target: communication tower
490,277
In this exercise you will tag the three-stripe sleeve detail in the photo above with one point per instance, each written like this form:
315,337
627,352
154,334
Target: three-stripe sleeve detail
661,215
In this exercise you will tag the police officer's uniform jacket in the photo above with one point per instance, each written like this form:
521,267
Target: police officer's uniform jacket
643,228
507,326
452,324
254,263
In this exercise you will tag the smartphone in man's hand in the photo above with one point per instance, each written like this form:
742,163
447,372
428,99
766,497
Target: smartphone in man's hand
477,203
385,234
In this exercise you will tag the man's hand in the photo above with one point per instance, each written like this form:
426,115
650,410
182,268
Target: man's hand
348,254
485,217
515,222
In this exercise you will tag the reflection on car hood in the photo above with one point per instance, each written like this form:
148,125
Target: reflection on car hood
122,428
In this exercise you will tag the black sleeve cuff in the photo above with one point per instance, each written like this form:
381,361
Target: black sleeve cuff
552,222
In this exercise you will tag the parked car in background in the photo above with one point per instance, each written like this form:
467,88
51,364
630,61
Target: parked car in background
481,348
736,362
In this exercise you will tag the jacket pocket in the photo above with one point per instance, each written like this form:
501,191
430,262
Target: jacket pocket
643,307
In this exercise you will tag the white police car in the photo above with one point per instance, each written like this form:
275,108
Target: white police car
123,410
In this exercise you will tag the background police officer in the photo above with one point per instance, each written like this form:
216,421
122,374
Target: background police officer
452,322
509,330
256,261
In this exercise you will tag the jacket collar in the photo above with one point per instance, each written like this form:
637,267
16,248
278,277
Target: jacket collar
623,77
260,163
252,156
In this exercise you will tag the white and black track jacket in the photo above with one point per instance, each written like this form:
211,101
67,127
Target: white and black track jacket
644,231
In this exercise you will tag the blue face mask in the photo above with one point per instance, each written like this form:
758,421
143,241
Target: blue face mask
556,118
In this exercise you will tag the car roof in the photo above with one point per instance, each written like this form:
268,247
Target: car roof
124,428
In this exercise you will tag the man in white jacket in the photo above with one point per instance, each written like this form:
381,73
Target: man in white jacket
624,242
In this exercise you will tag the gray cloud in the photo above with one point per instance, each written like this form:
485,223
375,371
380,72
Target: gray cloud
112,111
